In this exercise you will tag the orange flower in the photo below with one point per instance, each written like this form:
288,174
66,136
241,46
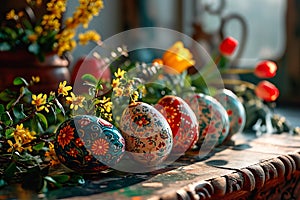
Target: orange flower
65,136
177,58
100,147
267,91
265,69
228,46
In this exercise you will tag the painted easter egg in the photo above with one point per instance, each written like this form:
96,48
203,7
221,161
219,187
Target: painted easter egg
88,144
213,121
182,120
235,110
147,134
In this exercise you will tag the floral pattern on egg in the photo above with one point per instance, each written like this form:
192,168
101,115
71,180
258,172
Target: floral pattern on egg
182,120
235,110
147,134
212,118
88,144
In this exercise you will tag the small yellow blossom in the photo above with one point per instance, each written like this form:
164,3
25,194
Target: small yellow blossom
91,35
63,89
35,79
75,101
40,102
38,30
11,15
118,92
15,146
119,73
32,37
115,83
22,136
51,155
135,96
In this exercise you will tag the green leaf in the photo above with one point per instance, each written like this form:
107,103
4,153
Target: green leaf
5,96
6,118
20,81
61,108
10,170
9,104
4,46
18,111
2,109
89,78
27,24
39,146
42,119
34,48
51,180
61,178
9,133
2,183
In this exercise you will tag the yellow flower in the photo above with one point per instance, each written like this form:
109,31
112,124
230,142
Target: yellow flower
40,102
177,58
135,96
118,92
119,73
51,155
63,89
35,79
115,83
75,101
32,37
84,38
22,136
11,15
38,30
14,146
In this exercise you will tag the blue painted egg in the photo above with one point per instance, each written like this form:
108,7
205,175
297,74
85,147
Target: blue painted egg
235,110
88,144
147,134
213,121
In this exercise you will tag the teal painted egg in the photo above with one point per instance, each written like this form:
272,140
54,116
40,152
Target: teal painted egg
235,110
147,135
213,121
182,120
88,144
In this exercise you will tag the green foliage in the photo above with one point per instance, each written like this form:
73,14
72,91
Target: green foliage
23,159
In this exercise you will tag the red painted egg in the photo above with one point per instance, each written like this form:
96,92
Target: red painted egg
182,120
147,135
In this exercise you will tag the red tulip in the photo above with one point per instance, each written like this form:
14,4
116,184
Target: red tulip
228,46
267,91
265,69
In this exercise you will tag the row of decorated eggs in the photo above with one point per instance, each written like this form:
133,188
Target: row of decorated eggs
150,137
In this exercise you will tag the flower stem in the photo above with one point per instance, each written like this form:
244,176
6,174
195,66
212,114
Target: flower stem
238,71
238,82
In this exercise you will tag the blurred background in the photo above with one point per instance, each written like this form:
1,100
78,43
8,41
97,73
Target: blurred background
265,29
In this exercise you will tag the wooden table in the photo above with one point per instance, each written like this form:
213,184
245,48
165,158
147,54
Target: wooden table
264,168
267,167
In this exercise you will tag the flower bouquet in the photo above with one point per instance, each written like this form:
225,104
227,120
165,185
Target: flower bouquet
35,40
